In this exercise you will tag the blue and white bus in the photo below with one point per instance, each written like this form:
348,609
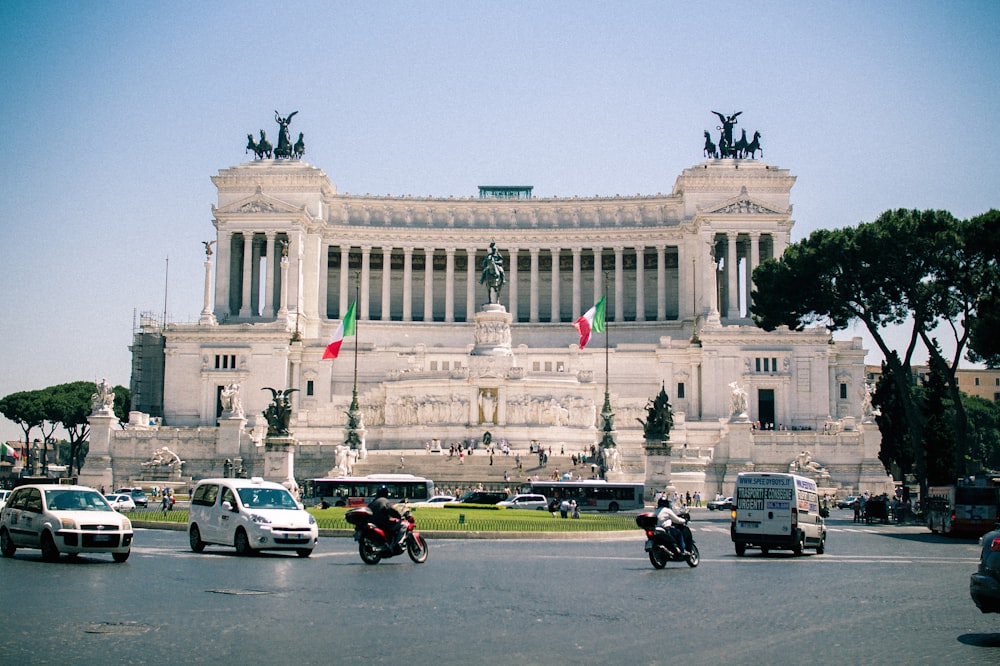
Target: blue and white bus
359,490
592,494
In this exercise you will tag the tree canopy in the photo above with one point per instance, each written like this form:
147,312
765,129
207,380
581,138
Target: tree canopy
924,272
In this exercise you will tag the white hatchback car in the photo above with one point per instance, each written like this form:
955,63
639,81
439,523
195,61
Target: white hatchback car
251,515
121,503
63,519
537,502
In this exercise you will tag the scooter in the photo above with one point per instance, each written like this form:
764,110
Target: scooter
374,544
661,546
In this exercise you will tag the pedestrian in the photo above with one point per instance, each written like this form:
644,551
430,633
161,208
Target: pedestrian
564,508
506,476
576,509
402,463
856,505
491,458
165,501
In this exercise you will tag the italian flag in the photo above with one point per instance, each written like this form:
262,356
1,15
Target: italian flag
592,321
346,328
9,451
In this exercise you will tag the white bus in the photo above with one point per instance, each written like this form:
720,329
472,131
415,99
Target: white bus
592,494
359,490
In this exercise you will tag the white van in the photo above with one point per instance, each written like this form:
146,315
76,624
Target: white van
250,514
774,511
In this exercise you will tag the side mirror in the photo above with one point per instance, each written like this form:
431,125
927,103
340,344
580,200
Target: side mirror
228,506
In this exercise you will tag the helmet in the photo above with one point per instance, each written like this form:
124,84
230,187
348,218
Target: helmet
664,501
382,492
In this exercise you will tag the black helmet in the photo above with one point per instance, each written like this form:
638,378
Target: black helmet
382,492
664,501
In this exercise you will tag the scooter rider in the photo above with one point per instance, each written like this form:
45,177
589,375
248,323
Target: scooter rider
385,515
668,520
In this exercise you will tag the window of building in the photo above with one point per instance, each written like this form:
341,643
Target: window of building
309,387
434,366
225,361
977,381
843,391
680,390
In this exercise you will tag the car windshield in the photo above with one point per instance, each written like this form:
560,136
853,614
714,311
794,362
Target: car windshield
267,498
75,500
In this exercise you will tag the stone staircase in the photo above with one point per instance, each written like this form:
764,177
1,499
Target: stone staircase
447,472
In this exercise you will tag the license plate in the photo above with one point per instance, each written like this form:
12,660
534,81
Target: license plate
748,523
102,538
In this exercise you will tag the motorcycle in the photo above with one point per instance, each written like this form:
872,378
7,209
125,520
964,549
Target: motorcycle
374,544
659,543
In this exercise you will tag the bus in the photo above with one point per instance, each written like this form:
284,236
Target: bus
968,507
359,490
592,494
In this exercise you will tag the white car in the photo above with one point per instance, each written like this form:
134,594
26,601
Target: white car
63,519
121,503
251,515
3,497
537,502
436,500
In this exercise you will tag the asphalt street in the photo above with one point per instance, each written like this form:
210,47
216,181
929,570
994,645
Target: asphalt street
880,595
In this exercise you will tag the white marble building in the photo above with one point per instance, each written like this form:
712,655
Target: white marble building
675,269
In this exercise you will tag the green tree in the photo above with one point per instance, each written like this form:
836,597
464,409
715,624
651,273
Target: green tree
939,432
984,433
921,271
984,236
69,405
25,409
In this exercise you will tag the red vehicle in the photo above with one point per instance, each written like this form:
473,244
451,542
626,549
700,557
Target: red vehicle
968,507
374,544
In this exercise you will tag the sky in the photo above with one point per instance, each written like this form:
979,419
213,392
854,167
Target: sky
120,112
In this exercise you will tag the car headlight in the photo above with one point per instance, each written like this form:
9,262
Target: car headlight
126,525
259,519
67,523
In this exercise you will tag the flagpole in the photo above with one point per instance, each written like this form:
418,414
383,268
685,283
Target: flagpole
357,291
354,422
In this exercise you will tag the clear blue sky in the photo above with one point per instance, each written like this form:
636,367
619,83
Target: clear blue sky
118,113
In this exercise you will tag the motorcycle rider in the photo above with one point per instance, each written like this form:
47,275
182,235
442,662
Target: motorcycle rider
385,515
668,520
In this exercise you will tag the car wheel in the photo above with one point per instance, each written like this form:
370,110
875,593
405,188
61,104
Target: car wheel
7,546
242,543
50,553
741,548
194,537
613,507
764,550
821,548
304,552
798,545
121,557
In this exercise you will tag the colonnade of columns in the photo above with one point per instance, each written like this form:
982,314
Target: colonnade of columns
644,282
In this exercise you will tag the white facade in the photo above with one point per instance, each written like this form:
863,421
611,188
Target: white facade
676,273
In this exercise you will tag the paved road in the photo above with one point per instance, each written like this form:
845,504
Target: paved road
881,594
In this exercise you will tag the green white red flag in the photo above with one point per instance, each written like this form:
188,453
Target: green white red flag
346,327
592,321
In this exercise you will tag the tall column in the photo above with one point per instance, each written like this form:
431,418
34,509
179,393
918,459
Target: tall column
386,283
324,281
753,260
661,283
223,280
247,274
407,284
533,306
345,279
449,284
577,285
272,261
554,318
366,274
732,277
512,286
598,274
207,318
428,284
470,284
780,240
640,283
619,284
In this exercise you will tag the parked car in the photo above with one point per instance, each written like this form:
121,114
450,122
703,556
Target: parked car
63,519
723,504
121,503
526,502
847,502
251,515
138,496
984,586
483,497
436,500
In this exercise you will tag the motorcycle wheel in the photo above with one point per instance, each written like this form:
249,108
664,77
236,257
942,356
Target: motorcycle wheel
416,548
371,552
658,557
694,558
